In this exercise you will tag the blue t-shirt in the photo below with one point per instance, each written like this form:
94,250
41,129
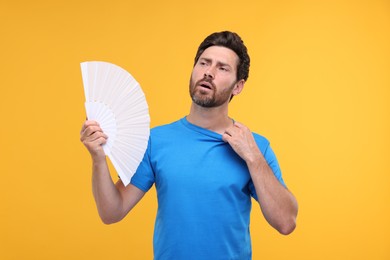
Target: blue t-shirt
204,192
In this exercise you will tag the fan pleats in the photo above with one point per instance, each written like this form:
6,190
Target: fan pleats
116,101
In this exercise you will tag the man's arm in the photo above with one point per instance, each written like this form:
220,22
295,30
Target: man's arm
113,201
278,204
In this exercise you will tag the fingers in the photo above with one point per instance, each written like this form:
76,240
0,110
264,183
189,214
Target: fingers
93,137
96,136
230,133
89,129
236,131
87,124
235,128
241,139
238,124
226,137
92,132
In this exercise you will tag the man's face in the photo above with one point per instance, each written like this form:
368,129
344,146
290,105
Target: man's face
214,77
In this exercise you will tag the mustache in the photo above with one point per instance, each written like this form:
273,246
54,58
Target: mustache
205,81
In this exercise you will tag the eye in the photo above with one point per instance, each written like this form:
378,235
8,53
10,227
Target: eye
223,69
202,64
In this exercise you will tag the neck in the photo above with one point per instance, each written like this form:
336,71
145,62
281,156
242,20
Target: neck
215,119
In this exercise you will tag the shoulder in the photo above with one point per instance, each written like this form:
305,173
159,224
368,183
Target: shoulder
260,139
168,132
166,136
262,142
166,128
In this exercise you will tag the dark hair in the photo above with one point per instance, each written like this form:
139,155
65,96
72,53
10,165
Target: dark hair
232,41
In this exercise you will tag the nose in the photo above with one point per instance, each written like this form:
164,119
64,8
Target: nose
209,74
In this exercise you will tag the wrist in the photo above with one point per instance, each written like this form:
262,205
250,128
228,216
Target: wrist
255,160
98,161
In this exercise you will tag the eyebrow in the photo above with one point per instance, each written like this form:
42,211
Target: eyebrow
219,63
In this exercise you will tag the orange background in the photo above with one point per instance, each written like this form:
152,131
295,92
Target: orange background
319,90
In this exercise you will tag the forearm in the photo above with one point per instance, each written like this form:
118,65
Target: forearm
107,197
278,204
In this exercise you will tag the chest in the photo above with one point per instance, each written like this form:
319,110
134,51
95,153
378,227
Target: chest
201,167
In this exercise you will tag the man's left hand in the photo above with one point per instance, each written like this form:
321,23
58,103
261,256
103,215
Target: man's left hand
242,141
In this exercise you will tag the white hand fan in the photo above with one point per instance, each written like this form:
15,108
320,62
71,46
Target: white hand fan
115,100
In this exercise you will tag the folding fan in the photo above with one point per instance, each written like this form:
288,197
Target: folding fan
115,100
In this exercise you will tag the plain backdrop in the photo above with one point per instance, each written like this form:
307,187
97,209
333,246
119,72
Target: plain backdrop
319,90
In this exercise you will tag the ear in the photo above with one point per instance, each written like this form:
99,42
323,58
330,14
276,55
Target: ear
238,87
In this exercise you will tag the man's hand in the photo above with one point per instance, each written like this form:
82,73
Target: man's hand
278,205
242,141
92,136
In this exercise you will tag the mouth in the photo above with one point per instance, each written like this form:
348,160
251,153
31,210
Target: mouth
205,84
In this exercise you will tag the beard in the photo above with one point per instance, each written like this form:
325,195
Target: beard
209,97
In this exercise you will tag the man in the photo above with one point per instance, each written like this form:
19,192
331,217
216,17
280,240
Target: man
205,166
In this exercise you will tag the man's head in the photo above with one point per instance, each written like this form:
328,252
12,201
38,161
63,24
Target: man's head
231,41
220,70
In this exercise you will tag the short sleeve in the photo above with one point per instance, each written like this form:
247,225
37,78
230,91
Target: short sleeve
144,176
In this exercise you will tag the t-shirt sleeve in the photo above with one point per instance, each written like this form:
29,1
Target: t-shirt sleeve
144,176
272,161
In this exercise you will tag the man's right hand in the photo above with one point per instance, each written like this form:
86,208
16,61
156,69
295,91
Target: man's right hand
92,136
113,201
